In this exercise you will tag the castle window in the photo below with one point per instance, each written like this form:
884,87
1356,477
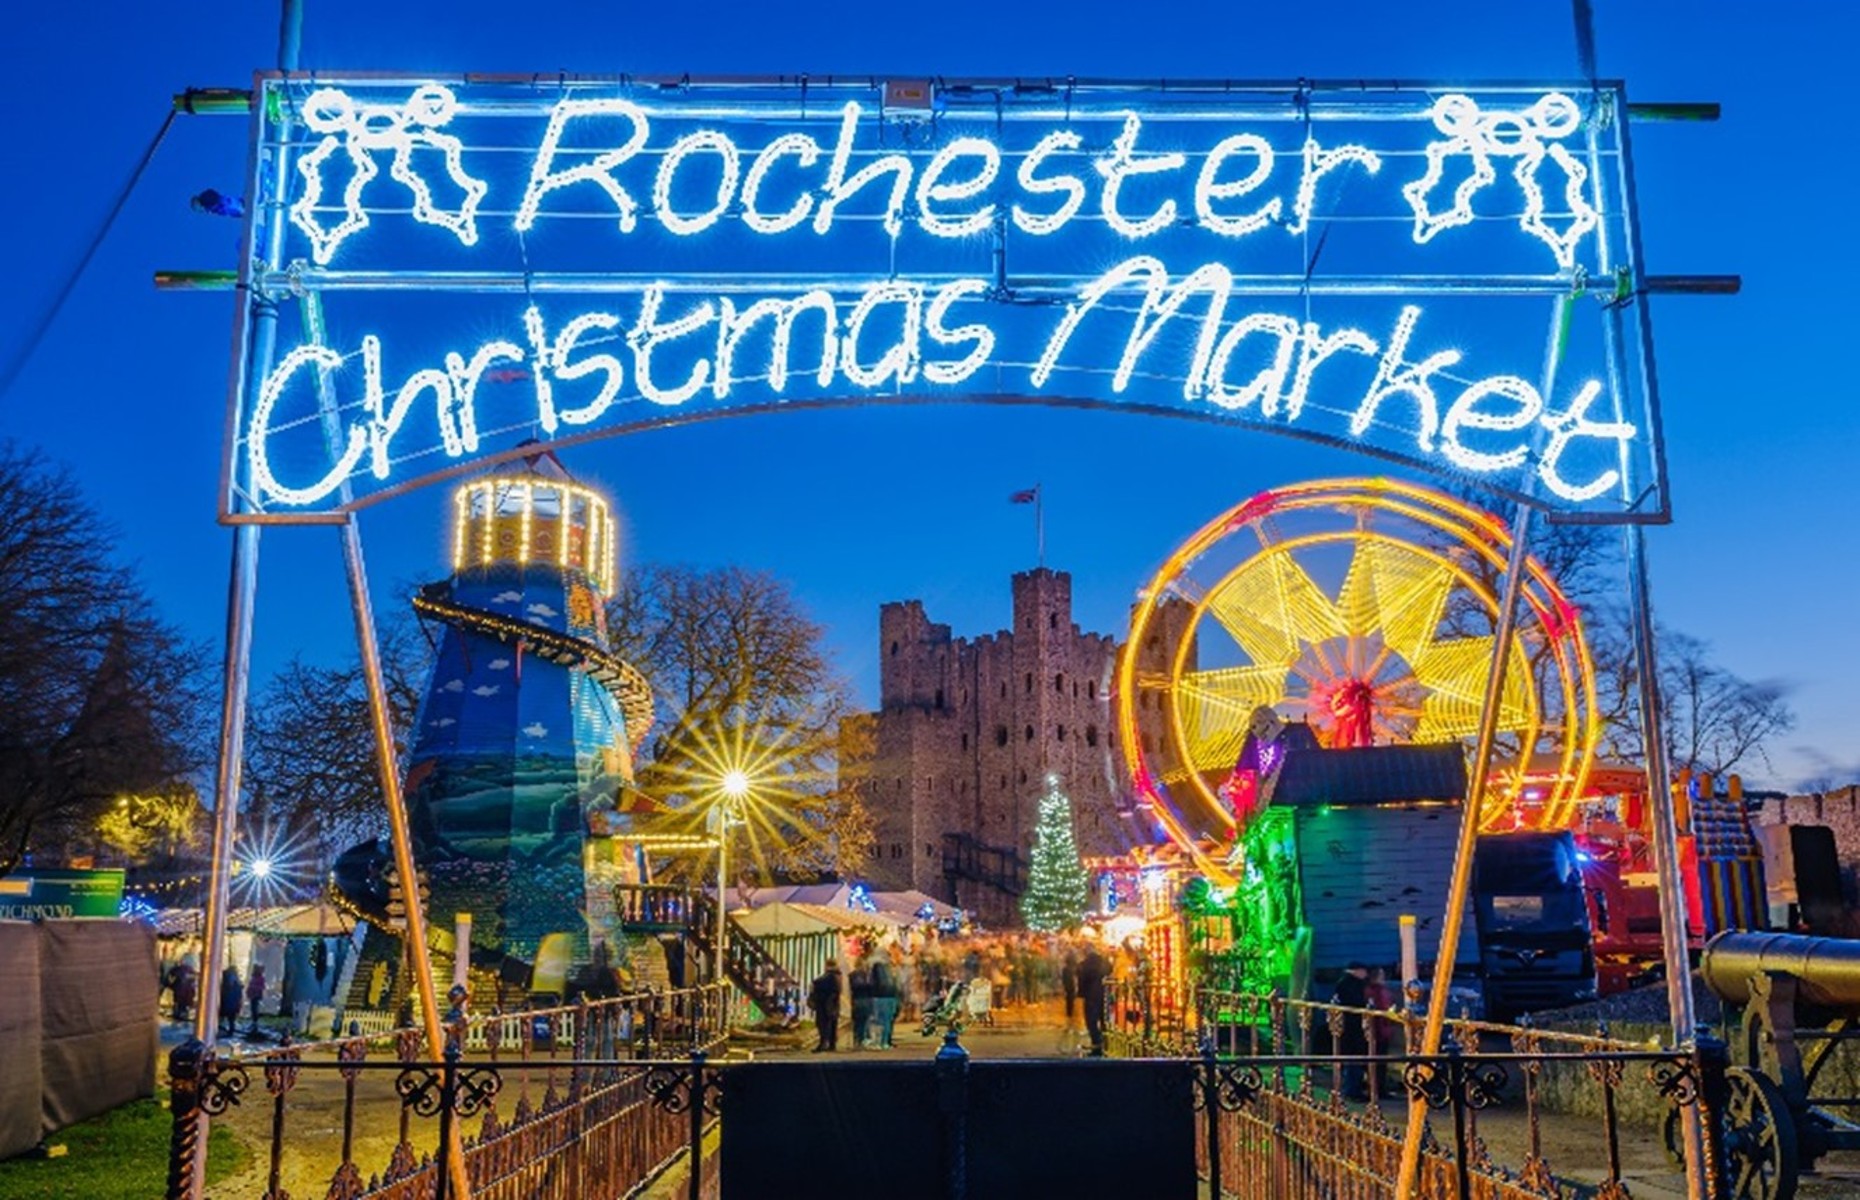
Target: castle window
897,849
1059,684
1001,735
894,649
1091,689
939,697
1062,733
1030,733
1004,689
965,741
1052,620
1004,783
1091,735
929,850
1023,777
1030,683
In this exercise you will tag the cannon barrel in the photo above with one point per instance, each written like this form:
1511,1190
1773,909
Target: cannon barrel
1827,970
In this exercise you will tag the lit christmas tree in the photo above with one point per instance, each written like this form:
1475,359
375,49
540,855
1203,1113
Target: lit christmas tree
1056,886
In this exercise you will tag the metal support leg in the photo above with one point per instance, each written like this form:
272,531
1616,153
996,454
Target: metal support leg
1672,888
242,595
1444,959
388,767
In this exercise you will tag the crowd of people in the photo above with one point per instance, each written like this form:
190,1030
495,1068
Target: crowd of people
182,983
1029,978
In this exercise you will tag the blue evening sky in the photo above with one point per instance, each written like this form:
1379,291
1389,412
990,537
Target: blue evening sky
855,507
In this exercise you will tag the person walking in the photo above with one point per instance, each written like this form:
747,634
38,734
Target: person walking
1353,993
1069,982
186,986
1093,969
255,993
859,983
824,999
232,999
885,993
1381,1031
904,969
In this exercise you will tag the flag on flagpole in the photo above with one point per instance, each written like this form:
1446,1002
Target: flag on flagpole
1032,496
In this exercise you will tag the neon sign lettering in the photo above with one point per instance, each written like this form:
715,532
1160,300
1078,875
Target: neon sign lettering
1313,264
624,131
918,347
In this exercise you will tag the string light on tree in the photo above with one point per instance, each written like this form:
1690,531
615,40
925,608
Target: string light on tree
1056,885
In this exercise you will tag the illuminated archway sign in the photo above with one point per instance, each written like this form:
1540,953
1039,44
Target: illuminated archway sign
489,261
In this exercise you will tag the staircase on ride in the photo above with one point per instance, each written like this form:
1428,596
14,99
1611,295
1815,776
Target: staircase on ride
665,909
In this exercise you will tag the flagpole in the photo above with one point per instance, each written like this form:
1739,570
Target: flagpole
1039,523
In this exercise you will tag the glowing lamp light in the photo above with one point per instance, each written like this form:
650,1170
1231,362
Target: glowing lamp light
261,868
735,784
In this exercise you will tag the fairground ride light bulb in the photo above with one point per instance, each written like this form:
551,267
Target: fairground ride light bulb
735,784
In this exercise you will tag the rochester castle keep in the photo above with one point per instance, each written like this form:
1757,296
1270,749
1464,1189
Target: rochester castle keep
953,763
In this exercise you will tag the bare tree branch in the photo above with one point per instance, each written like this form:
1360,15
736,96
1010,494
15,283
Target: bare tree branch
99,699
731,650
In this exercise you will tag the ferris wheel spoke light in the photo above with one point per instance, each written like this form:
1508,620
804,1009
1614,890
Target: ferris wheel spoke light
1365,656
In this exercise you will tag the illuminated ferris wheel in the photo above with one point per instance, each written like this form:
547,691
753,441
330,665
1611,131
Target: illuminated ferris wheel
1365,607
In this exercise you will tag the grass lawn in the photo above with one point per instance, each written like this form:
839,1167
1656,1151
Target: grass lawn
123,1153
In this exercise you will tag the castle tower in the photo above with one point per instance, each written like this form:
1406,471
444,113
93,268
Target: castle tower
953,763
522,753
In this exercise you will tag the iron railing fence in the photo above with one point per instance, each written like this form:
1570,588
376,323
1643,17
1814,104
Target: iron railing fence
568,1102
578,1105
1305,1099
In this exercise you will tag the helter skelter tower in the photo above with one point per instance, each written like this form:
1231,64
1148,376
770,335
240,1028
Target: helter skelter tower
518,785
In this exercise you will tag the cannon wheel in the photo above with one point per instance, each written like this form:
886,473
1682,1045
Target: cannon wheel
1759,1138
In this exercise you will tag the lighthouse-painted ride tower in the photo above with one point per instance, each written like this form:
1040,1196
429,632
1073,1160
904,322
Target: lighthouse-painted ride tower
518,784
522,759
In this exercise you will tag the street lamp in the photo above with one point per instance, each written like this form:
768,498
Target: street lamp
733,788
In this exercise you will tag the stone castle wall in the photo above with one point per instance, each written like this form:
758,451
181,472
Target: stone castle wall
1839,810
967,729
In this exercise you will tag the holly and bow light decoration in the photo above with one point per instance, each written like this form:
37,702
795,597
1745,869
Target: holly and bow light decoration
1366,608
478,261
1056,893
